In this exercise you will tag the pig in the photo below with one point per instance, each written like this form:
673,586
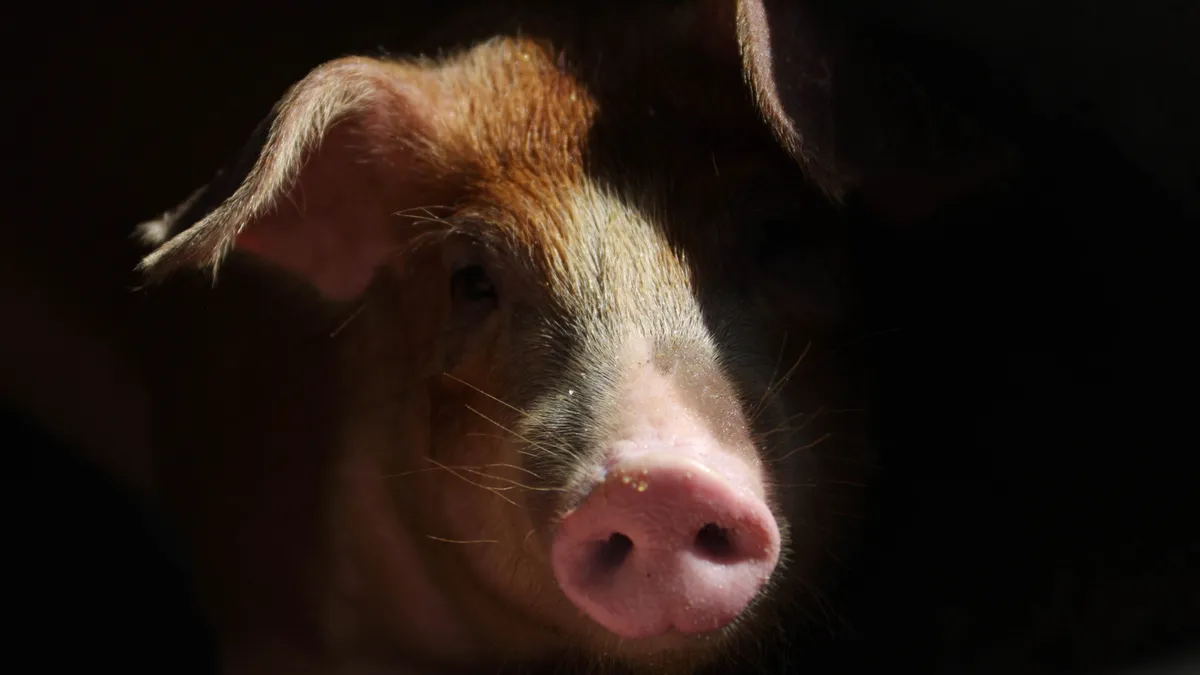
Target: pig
537,354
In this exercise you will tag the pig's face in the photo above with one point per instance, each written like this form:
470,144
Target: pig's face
591,369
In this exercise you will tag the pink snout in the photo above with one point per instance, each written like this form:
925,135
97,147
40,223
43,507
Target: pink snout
666,544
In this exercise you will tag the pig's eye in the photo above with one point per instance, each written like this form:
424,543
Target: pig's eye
471,284
473,300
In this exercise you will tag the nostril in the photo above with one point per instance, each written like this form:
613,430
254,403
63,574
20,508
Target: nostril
682,548
612,553
713,541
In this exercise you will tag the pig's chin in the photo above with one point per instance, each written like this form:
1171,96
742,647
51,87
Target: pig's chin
665,654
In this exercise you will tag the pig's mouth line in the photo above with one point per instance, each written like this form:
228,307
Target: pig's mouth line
696,646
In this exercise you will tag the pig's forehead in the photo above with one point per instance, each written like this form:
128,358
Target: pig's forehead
587,244
508,106
546,155
609,199
515,110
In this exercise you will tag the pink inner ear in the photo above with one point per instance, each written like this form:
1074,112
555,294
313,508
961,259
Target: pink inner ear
339,163
333,226
346,149
338,255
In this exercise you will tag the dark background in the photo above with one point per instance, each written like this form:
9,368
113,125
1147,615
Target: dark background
1038,510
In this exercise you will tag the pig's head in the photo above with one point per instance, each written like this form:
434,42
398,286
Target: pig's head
593,315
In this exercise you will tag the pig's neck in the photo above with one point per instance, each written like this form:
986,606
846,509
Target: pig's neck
382,580
328,579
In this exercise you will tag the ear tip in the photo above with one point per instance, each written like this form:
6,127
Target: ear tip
151,267
182,250
156,235
152,233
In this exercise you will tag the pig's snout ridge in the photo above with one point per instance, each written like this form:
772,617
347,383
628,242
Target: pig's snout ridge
665,544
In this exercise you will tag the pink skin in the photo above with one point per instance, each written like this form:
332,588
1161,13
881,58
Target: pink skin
695,540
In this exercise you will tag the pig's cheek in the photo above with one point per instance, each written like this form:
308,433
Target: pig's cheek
477,496
471,351
493,541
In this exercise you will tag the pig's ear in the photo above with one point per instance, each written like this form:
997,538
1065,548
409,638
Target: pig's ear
857,124
315,189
